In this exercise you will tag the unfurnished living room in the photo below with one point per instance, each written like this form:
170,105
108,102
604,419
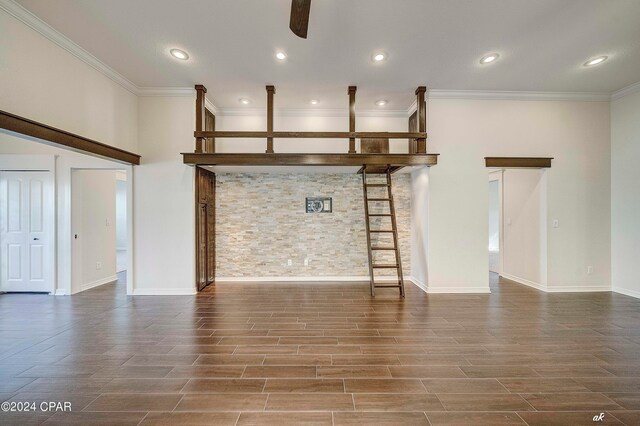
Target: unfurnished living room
319,212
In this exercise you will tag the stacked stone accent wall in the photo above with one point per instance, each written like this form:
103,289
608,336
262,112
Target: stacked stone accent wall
261,223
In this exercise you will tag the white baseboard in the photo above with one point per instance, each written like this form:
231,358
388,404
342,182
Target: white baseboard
98,283
364,278
578,289
458,290
524,281
60,292
422,286
164,292
444,290
627,292
557,289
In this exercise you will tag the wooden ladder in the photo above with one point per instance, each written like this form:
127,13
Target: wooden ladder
397,266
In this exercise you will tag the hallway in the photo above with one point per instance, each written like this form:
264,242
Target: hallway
325,353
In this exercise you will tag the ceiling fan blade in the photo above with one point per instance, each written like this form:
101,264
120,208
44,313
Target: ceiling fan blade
299,22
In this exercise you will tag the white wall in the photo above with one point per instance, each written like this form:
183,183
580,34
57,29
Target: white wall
51,86
164,212
93,220
576,134
625,194
524,214
65,162
420,227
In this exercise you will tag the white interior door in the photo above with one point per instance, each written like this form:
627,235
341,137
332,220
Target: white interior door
26,231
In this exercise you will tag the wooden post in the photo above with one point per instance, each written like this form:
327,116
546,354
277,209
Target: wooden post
200,115
210,126
421,147
270,92
352,118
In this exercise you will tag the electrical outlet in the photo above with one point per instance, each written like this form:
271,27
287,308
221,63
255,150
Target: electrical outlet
306,261
589,270
556,223
108,222
289,262
98,265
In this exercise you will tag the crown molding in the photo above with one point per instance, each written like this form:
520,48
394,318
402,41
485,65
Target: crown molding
631,89
518,95
165,91
211,107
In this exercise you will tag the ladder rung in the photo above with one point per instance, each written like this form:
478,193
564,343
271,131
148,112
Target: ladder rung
381,230
386,266
382,248
377,184
387,286
378,199
379,214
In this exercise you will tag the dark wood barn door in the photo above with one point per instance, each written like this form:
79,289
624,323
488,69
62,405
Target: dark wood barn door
205,228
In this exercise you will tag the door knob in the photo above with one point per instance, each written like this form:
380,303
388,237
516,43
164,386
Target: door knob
36,239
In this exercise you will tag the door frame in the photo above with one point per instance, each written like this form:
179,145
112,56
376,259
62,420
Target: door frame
47,164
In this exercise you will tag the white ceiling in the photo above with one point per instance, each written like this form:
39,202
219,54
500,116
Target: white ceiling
437,43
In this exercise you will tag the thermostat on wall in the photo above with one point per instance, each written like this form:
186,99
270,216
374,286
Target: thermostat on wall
318,204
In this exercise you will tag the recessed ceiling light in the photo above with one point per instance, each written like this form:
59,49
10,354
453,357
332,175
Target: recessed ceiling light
244,101
487,59
314,102
281,56
381,102
179,54
490,58
595,61
379,56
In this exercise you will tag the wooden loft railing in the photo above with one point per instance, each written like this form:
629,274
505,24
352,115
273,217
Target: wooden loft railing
205,154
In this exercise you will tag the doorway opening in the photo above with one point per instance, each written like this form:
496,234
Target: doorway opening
99,229
517,244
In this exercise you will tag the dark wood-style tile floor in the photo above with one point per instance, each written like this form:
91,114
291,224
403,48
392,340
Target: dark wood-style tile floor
251,354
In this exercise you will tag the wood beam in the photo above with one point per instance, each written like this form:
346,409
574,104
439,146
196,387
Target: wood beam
302,135
200,115
421,147
519,162
352,117
259,159
24,126
271,90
